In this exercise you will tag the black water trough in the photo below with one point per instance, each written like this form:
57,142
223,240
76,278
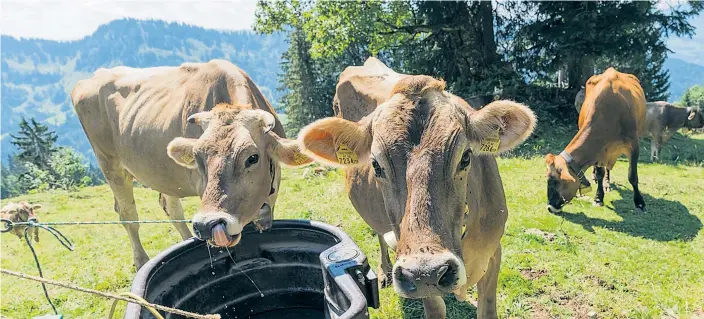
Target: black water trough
304,269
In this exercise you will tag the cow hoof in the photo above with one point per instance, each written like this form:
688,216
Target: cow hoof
607,188
641,210
598,204
554,210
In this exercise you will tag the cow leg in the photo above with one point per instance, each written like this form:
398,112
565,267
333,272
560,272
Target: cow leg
607,181
120,182
633,178
599,198
434,307
486,288
172,207
653,149
385,268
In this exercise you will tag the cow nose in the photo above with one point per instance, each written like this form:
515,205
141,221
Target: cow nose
424,275
203,228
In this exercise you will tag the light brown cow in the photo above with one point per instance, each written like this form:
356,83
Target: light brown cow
611,119
21,212
415,163
224,144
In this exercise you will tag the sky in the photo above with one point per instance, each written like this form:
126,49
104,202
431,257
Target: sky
74,19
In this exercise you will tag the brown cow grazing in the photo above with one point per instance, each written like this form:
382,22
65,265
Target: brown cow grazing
225,144
664,119
610,121
19,213
415,162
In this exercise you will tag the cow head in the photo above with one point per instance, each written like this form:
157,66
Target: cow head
21,212
562,183
237,157
695,118
420,144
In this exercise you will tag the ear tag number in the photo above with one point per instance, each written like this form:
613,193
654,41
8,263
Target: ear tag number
187,158
345,155
490,144
299,158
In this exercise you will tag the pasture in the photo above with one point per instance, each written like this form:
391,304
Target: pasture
589,260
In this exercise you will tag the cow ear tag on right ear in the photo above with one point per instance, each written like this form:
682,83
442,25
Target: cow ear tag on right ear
490,144
187,158
345,155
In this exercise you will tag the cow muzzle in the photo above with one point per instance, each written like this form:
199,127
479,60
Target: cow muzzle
425,275
218,229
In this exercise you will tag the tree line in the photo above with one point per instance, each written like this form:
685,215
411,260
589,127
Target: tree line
40,165
534,52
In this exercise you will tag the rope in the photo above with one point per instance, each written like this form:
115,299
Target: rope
9,224
60,237
122,297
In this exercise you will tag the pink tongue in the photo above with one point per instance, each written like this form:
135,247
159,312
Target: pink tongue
221,238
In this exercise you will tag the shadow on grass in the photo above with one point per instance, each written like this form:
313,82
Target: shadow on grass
665,220
413,308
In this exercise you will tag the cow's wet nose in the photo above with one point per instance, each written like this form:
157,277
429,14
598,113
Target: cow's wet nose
204,228
417,276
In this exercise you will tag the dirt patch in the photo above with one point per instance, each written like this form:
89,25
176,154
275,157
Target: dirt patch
532,274
600,282
537,232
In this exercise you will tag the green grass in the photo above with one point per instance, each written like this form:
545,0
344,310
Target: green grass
603,259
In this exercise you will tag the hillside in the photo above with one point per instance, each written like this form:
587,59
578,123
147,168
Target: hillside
683,75
38,75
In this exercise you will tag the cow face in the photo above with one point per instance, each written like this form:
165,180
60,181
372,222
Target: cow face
695,118
21,212
562,185
237,157
420,144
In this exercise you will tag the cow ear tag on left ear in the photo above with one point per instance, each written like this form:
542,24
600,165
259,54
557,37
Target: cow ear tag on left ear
299,158
490,144
187,158
345,155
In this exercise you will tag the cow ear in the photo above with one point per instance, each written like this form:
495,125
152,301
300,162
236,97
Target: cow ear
181,151
36,206
288,152
500,126
337,142
201,118
692,114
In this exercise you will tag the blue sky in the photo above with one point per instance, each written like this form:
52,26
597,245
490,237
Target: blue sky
74,19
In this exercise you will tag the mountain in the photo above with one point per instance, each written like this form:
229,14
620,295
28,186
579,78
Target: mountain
38,75
682,76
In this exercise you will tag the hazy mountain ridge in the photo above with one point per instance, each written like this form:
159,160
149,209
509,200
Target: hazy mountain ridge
38,75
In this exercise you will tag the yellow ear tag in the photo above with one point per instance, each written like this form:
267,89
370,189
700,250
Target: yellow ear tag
187,158
490,144
345,155
299,158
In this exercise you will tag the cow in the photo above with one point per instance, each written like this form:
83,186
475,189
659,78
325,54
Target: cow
611,119
199,129
664,119
419,167
19,213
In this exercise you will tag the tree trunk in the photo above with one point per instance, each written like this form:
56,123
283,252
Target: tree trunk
486,36
579,69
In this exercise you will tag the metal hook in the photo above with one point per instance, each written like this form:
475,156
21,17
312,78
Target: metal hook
7,227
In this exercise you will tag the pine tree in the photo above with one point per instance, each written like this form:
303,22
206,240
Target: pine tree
35,142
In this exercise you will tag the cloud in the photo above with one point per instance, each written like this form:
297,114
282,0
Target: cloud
74,19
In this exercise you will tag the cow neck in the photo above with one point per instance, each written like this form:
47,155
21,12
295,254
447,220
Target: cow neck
577,154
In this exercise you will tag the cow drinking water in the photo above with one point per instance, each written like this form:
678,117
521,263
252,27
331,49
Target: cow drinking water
201,129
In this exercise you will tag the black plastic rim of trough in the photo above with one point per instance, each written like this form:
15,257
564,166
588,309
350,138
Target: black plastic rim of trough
141,279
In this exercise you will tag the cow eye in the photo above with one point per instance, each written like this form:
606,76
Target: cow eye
377,168
253,159
466,158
